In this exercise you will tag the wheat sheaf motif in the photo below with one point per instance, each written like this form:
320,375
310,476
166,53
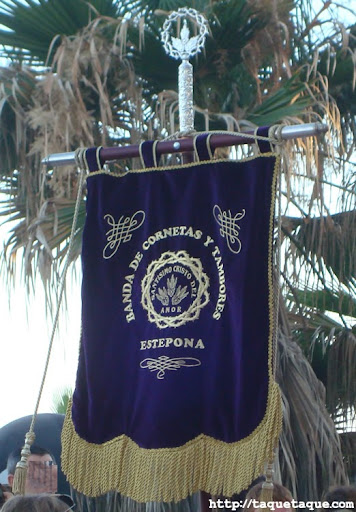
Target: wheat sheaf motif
172,292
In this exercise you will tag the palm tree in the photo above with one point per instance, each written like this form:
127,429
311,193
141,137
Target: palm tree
61,399
84,74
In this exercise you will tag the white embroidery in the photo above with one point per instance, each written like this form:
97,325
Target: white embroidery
229,227
164,363
174,289
121,231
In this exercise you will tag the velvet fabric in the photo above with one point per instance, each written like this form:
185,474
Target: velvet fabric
176,303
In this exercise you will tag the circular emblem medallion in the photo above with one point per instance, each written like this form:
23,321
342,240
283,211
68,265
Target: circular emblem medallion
174,289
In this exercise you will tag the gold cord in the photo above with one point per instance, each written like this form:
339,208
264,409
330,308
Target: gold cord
21,467
274,134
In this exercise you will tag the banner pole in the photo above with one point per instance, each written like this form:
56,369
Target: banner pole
186,144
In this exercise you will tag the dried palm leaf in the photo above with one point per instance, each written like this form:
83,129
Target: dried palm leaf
341,375
348,445
310,453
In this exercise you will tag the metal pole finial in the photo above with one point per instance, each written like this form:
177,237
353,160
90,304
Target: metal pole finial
183,48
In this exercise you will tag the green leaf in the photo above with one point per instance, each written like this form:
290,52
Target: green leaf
341,303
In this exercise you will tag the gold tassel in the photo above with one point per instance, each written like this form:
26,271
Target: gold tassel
19,483
267,486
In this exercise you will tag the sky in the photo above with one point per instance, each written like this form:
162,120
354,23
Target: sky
25,332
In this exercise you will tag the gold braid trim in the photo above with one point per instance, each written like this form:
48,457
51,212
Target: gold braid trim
181,167
170,474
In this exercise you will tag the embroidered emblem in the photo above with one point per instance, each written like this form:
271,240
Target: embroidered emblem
174,289
164,363
121,231
229,227
176,294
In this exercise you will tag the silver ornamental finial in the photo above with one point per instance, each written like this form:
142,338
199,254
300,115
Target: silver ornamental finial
184,47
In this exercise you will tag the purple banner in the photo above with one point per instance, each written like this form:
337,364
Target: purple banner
177,331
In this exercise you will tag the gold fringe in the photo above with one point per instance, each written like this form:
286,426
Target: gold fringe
170,474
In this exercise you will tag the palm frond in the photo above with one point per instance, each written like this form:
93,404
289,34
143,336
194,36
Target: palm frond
16,89
341,395
61,399
45,242
331,239
341,303
348,445
308,429
31,27
290,100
